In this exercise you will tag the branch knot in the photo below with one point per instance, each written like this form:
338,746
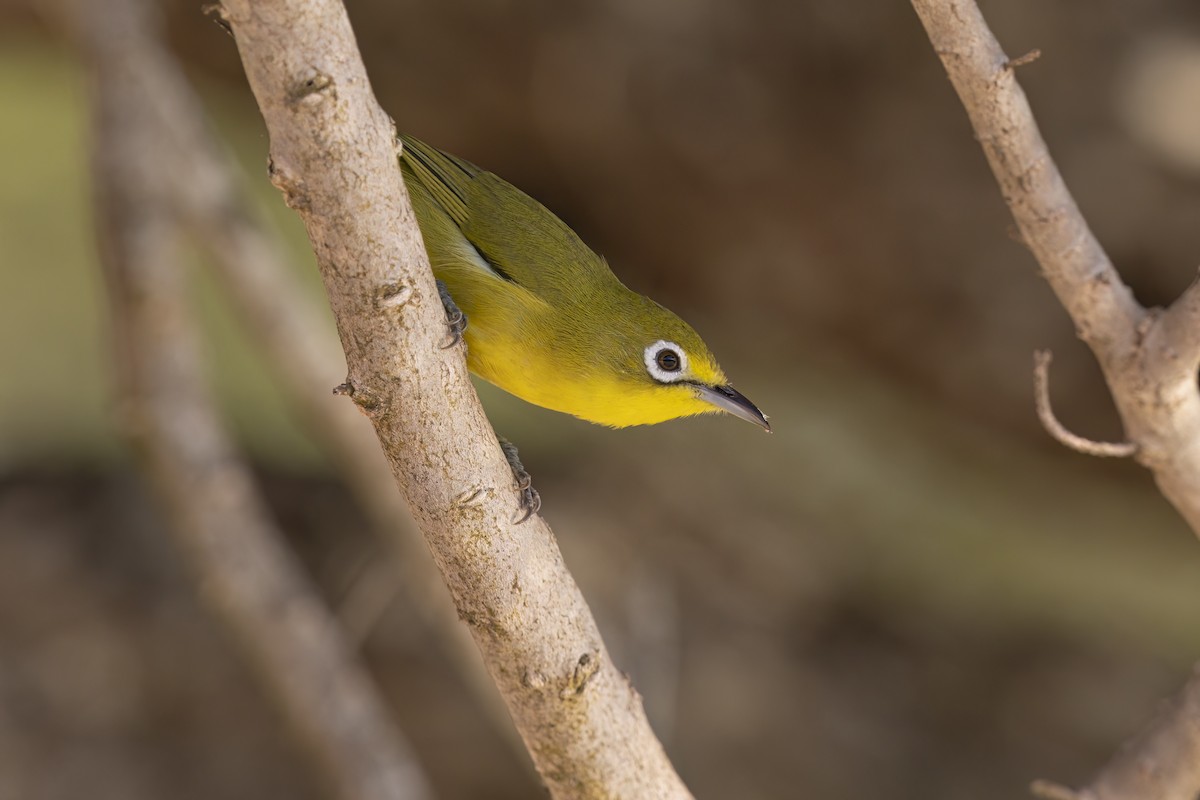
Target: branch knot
295,192
585,669
311,89
393,295
365,399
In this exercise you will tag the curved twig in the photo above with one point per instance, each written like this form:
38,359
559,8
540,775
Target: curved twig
1041,384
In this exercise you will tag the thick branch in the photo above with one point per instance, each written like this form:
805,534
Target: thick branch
1077,268
1179,329
251,262
1161,763
246,574
1149,358
334,154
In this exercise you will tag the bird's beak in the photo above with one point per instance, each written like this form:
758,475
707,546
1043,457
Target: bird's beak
729,399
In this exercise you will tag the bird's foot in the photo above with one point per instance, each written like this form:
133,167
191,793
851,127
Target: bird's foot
456,320
531,501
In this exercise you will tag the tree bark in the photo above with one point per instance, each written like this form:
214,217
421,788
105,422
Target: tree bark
1149,356
333,154
244,572
202,189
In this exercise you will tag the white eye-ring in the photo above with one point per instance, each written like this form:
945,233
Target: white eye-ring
666,361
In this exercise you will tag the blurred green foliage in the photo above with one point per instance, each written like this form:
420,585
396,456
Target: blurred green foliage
54,358
57,402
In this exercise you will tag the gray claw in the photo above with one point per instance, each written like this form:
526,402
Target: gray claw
531,501
456,320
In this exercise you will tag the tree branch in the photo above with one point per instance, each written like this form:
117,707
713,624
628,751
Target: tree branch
1077,268
1149,358
251,263
333,153
1160,763
1179,328
245,574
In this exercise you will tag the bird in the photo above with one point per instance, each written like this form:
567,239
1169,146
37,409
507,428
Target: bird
545,317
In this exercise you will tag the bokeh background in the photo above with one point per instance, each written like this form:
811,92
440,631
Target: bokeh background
907,591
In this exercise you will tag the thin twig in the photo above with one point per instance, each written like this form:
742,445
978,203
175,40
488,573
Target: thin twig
333,155
1020,61
1041,384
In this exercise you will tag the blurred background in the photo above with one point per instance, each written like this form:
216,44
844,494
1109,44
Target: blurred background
907,591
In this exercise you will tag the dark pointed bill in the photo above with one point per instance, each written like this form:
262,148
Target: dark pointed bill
729,399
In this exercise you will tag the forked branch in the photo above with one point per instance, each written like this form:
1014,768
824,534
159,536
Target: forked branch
1149,357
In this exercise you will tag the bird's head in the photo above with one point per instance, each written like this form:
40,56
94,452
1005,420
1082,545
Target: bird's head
666,370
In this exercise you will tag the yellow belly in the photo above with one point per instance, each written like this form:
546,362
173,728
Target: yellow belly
524,367
516,341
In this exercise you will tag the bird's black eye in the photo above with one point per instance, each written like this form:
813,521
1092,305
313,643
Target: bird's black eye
667,360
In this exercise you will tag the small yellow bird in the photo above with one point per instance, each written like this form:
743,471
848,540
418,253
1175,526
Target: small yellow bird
547,319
